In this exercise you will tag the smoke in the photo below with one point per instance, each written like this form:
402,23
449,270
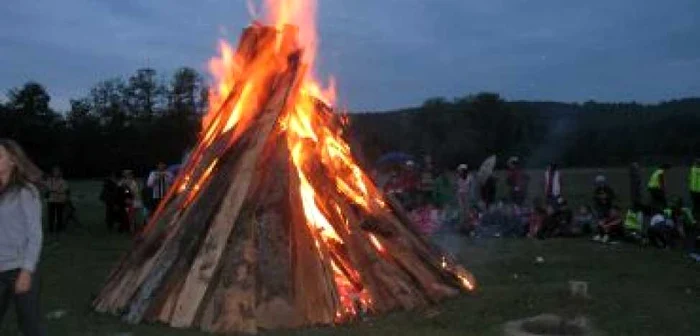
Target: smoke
561,125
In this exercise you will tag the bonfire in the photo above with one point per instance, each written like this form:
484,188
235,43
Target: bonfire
271,222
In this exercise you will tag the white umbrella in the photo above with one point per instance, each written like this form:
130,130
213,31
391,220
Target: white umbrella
486,169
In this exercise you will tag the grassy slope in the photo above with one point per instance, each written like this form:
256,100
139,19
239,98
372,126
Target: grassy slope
634,292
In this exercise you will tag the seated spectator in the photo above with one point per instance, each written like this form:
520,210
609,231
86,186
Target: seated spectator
610,227
564,217
684,222
633,224
550,225
603,197
584,221
661,230
539,213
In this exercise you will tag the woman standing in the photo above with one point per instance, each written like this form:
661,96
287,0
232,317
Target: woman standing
135,208
20,241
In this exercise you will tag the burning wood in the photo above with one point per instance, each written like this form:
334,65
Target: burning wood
272,223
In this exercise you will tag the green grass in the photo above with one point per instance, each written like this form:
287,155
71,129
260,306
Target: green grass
633,291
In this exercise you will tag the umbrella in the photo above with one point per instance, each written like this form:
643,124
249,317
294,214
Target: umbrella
174,169
486,169
394,158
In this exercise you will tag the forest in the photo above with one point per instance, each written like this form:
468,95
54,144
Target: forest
137,121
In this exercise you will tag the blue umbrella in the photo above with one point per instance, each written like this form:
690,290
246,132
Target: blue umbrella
174,169
394,158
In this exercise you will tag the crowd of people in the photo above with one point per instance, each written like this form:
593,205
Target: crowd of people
127,203
465,200
127,200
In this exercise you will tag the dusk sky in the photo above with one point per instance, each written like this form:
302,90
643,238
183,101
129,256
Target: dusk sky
385,53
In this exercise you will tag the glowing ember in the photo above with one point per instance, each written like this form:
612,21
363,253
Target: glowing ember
376,243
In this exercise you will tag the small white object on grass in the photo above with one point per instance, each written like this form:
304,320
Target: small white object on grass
515,275
539,260
56,314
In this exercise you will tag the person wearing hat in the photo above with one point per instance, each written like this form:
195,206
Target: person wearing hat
603,196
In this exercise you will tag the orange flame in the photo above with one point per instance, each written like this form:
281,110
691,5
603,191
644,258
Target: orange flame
314,136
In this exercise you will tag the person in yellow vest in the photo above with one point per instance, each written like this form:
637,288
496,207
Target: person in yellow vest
657,187
633,224
694,186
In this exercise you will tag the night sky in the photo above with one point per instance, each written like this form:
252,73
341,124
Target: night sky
385,53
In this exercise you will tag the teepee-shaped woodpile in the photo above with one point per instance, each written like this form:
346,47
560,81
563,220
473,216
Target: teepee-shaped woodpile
271,223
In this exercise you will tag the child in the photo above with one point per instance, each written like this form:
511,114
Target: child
610,227
583,221
661,230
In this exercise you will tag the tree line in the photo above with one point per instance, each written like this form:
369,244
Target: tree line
122,123
137,121
590,134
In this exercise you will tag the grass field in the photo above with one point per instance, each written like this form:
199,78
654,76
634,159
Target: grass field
633,291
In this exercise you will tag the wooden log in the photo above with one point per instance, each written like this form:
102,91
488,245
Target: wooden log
207,261
274,301
168,271
315,294
232,304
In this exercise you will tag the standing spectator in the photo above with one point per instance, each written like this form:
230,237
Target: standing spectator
427,180
464,185
603,197
57,196
657,187
20,238
159,182
488,191
694,186
124,202
135,209
108,196
552,183
516,181
444,193
410,182
635,185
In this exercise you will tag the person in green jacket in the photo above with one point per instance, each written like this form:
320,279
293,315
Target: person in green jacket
657,187
694,186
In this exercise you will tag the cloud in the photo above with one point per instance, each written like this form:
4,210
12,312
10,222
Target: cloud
385,54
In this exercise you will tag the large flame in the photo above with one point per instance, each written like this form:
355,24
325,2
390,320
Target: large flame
314,136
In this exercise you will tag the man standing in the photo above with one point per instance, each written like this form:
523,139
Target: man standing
108,196
516,181
694,186
657,187
552,183
159,181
